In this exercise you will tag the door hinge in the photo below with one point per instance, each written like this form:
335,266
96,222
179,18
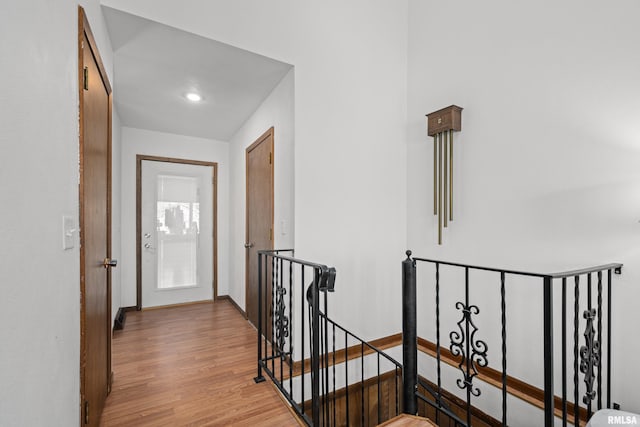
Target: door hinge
270,158
271,234
86,412
85,78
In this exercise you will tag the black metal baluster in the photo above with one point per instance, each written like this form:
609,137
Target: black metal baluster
265,311
291,328
379,394
280,322
302,305
326,355
323,368
468,342
333,337
548,352
315,348
503,309
576,320
259,378
608,338
599,392
362,381
564,352
395,381
346,374
439,397
274,268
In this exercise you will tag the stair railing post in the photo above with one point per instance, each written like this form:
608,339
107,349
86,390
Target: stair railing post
259,378
315,347
409,337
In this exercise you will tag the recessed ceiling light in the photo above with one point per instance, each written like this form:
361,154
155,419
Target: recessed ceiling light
194,97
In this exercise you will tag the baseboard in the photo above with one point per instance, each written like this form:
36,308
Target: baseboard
180,304
232,301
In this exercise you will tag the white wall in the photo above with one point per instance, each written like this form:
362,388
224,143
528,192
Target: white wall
116,224
547,174
145,142
350,63
277,110
40,305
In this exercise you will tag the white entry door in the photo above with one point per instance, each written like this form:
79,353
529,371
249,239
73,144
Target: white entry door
177,233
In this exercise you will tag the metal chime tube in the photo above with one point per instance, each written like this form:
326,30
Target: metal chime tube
435,174
440,179
444,174
450,175
443,179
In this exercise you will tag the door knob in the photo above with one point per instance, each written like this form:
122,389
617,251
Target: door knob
248,245
108,262
147,246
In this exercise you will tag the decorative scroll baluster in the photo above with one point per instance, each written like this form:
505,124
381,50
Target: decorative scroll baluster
281,320
599,393
590,352
473,352
589,357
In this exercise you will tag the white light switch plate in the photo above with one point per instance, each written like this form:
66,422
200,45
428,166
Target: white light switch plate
68,232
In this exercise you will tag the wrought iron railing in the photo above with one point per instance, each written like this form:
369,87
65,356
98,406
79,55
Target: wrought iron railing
587,360
329,375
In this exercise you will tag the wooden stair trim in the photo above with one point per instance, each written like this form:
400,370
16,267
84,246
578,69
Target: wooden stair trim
515,387
352,352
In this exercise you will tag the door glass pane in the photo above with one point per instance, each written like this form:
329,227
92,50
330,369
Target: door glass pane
178,230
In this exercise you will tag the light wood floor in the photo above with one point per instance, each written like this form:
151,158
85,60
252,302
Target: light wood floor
191,365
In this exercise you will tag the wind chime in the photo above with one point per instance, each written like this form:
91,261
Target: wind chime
441,124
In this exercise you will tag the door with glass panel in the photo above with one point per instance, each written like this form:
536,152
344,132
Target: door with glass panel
177,233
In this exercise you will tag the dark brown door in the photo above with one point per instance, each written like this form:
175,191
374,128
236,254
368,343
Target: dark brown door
95,165
259,215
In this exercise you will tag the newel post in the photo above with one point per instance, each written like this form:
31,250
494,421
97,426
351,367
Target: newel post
409,337
315,346
259,378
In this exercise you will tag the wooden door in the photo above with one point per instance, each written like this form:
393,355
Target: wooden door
259,231
95,227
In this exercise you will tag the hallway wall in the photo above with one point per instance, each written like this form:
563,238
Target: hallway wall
40,303
277,110
150,143
547,175
350,63
116,214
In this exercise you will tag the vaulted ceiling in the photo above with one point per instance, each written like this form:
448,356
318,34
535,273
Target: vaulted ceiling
156,65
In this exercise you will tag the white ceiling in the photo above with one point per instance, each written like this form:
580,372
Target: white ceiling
155,65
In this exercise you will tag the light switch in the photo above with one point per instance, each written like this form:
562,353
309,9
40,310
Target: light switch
68,232
283,227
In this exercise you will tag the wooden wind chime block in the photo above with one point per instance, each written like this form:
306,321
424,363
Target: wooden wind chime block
441,124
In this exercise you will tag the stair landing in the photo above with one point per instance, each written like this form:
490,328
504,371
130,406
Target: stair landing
406,420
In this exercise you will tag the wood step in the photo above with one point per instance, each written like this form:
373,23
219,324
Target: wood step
406,420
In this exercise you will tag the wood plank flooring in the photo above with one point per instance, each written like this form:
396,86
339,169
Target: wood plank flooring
190,366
